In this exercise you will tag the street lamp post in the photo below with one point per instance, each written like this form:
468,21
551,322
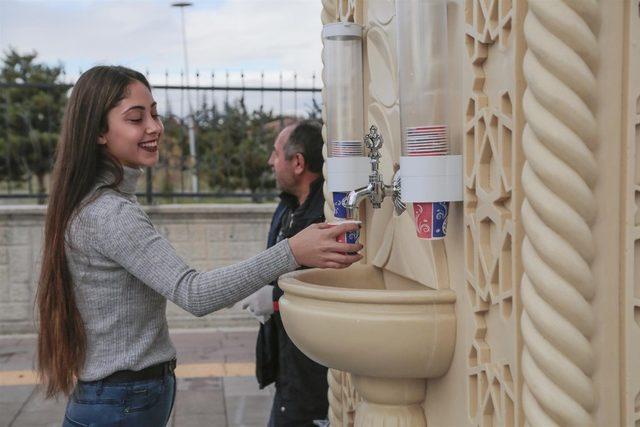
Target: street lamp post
190,121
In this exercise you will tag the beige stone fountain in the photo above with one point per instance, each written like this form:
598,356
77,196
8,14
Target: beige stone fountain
543,255
389,332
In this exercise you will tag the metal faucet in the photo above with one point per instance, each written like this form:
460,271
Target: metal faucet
376,190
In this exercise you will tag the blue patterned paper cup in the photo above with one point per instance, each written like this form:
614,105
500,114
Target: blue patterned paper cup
339,210
349,236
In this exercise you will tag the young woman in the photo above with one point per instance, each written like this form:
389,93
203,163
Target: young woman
107,273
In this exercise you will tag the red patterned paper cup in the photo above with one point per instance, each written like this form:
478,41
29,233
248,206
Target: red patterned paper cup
349,236
431,219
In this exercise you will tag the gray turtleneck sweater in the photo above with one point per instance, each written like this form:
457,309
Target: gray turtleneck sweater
123,272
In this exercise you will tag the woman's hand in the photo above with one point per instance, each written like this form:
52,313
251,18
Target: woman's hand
316,246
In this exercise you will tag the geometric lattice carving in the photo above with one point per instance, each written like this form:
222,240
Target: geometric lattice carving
490,20
636,252
489,215
635,261
631,222
493,391
637,205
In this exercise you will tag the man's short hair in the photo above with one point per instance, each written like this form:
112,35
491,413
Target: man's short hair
306,139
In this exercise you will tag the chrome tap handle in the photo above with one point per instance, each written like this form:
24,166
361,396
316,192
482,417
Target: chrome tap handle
373,141
376,190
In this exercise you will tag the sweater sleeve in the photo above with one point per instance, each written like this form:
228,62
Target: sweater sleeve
126,235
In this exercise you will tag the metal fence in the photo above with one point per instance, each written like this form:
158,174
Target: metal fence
221,134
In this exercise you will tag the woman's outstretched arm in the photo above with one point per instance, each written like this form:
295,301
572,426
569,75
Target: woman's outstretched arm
124,233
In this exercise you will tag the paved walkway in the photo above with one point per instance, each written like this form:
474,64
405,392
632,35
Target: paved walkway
216,385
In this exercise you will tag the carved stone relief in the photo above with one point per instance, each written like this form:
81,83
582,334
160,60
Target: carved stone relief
634,370
341,394
631,233
490,212
399,250
530,360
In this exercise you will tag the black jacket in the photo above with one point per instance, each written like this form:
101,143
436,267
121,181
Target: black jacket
300,382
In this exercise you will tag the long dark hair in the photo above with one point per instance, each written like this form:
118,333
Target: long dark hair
80,160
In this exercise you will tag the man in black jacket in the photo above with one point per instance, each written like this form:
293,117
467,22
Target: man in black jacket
301,384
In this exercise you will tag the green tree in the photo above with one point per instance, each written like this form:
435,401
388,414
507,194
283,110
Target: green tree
31,108
217,151
255,150
236,145
170,171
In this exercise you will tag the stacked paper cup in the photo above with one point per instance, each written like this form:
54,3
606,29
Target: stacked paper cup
424,97
426,140
430,217
343,149
346,148
347,168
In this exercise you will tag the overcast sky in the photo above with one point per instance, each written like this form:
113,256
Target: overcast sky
233,35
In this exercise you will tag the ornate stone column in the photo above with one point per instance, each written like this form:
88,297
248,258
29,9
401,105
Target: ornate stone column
630,372
559,209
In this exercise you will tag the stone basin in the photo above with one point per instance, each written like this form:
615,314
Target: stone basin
369,323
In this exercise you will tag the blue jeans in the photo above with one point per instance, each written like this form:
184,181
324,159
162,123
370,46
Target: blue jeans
136,403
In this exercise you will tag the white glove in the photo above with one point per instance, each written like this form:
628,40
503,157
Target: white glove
260,303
